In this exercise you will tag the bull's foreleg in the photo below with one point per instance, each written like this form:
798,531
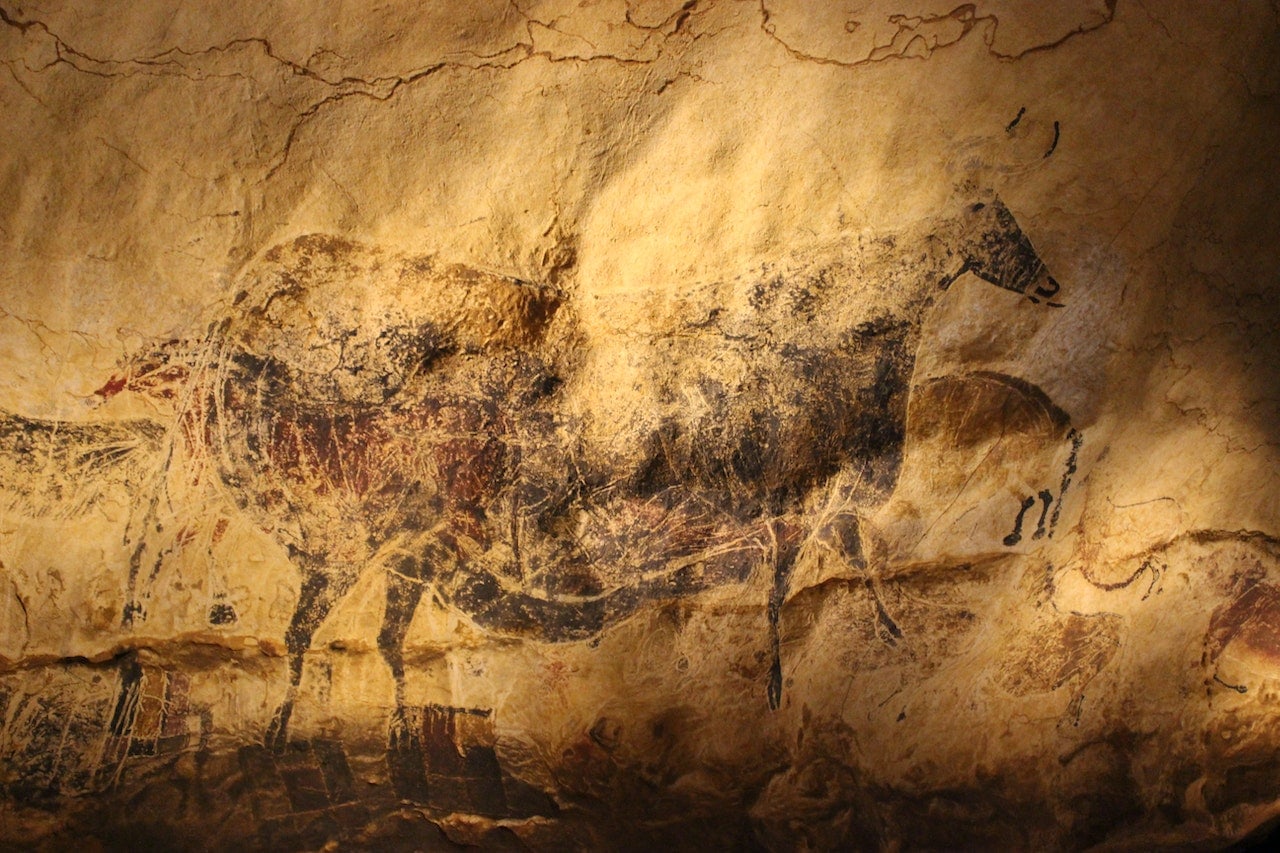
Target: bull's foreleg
322,585
133,609
785,546
138,535
843,535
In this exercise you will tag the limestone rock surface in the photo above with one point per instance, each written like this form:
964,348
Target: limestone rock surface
639,424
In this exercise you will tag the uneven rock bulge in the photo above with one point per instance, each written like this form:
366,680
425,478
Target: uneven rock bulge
632,425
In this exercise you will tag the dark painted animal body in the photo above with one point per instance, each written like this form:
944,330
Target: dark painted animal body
823,387
398,435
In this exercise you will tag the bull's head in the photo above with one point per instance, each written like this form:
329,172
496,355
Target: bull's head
995,249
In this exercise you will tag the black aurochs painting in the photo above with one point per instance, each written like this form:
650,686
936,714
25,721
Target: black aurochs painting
376,411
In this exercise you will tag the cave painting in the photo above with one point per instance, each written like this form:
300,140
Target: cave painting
376,410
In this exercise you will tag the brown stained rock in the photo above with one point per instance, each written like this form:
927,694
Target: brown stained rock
1252,620
1058,651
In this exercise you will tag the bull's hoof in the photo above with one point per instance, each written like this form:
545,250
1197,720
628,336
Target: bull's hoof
775,684
277,735
133,610
887,631
399,733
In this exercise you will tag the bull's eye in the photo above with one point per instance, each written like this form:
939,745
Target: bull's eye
547,384
1051,290
978,207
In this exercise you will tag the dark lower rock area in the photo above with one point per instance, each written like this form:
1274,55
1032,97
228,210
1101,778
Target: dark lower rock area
931,736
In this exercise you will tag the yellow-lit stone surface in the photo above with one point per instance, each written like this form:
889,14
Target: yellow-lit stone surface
598,425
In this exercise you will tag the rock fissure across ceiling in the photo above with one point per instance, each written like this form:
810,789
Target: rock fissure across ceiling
618,424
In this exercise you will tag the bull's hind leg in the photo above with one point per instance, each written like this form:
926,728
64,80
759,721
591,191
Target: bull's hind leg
405,582
322,585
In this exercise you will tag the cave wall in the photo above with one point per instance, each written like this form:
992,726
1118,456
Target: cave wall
773,424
